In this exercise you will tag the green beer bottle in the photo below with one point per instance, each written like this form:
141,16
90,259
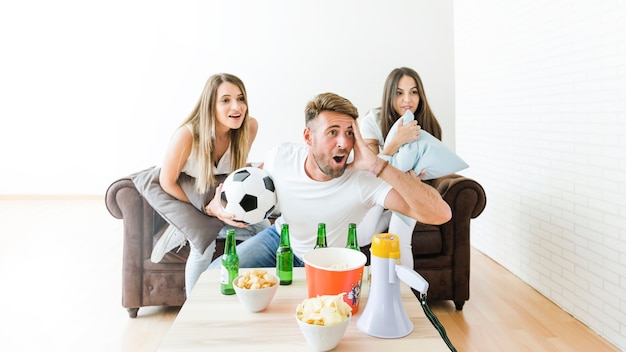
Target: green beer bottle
352,242
230,264
321,236
284,257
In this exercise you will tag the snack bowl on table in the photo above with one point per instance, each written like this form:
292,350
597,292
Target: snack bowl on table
323,334
253,297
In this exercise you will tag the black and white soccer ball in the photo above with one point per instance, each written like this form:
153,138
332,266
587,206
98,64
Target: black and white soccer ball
249,194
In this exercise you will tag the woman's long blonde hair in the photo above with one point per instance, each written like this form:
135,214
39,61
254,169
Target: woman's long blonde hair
203,119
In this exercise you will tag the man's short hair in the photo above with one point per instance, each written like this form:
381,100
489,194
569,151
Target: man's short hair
329,102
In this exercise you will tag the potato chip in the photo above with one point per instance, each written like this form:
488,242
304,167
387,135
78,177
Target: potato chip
256,279
324,310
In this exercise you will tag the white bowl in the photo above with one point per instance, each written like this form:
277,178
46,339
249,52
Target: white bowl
256,300
323,338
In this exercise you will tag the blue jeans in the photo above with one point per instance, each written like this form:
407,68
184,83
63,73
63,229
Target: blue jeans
259,251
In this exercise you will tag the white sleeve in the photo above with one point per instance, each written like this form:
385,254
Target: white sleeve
369,126
270,158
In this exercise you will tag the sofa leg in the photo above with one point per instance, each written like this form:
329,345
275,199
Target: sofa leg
132,312
459,305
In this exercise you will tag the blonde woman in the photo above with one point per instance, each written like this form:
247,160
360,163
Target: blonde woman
209,144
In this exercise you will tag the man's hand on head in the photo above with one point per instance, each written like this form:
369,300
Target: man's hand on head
364,157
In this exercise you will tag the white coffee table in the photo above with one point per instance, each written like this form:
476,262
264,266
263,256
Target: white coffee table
210,321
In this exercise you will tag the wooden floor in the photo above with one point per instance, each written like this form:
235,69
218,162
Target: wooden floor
60,264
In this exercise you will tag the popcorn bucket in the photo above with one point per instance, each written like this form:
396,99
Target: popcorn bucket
331,271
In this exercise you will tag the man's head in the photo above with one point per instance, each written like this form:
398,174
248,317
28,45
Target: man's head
329,134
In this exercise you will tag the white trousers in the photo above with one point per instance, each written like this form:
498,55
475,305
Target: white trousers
379,219
198,262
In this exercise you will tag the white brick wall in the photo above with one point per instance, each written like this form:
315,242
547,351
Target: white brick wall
541,119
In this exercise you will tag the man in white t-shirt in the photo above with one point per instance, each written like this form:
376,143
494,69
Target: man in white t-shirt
315,184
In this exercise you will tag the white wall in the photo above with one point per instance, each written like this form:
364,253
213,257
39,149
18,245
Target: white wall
93,90
541,119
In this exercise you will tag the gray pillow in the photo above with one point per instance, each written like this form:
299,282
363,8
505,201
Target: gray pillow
198,227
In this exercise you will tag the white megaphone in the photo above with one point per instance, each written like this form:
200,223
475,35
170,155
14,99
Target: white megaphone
384,315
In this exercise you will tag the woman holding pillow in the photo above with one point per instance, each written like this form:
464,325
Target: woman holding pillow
403,91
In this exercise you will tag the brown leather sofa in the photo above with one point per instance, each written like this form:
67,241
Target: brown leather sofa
441,253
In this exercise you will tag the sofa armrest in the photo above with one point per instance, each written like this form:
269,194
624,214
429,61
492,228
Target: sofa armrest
467,200
117,194
140,223
462,192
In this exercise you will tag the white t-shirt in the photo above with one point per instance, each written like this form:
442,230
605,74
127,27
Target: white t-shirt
369,126
304,203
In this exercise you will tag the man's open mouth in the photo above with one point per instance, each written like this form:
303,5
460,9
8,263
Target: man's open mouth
338,159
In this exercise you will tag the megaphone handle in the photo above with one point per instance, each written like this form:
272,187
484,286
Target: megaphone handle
412,278
416,281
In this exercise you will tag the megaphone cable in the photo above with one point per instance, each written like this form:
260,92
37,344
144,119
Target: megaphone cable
436,323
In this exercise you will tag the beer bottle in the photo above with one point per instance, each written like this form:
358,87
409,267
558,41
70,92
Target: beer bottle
284,257
352,240
230,264
321,236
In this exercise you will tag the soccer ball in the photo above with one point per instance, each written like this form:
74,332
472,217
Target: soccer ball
249,194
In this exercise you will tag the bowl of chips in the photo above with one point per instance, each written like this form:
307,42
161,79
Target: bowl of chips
323,320
255,289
